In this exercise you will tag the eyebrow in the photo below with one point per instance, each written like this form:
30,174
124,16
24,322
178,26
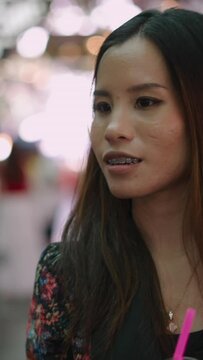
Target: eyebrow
132,89
145,86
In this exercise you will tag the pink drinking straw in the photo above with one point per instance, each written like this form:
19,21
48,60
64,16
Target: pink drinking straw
184,334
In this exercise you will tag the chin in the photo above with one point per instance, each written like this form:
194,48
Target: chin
120,193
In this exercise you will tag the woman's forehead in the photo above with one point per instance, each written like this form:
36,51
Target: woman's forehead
137,59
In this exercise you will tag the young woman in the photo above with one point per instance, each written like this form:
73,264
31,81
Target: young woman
130,261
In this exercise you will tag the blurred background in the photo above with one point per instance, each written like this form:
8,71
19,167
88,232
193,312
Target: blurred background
47,56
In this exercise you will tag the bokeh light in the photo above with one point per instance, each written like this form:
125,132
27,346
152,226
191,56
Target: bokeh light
6,144
33,42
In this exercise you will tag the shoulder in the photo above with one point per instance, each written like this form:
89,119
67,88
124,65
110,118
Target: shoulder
50,255
47,272
48,316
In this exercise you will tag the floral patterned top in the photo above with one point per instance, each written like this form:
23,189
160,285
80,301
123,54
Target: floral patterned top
48,321
48,314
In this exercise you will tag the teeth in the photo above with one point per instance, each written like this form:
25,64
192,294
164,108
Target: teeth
123,161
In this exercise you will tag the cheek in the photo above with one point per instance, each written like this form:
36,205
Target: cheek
96,134
97,130
93,135
178,140
171,145
169,136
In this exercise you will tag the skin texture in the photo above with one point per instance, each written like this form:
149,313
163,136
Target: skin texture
146,122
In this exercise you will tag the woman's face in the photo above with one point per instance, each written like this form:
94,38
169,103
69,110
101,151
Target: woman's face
138,132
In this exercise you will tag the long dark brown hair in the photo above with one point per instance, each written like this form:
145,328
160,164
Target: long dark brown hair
104,258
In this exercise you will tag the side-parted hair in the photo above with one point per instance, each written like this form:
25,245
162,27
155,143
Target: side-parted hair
104,259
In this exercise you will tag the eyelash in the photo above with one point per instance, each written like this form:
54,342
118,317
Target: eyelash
104,107
153,102
99,107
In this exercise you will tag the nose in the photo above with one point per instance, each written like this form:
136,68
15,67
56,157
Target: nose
119,127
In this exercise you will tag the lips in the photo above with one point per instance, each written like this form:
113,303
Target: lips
120,158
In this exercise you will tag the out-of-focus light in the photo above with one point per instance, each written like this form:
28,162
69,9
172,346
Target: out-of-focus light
71,148
18,15
49,147
68,114
87,27
94,43
31,129
33,42
6,144
69,50
105,16
20,101
28,73
66,21
167,4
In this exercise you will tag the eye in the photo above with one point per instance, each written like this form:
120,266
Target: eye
146,102
102,107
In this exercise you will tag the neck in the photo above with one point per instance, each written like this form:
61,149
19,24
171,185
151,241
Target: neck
160,221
